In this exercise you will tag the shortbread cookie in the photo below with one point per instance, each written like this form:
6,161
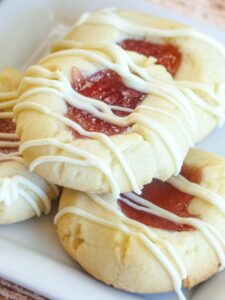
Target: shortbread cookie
196,61
23,194
100,119
174,232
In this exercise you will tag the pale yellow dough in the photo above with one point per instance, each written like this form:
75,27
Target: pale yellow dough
201,61
20,209
123,261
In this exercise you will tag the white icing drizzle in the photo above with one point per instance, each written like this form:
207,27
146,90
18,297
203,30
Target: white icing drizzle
131,227
171,116
215,109
35,189
56,83
166,136
16,187
7,95
181,183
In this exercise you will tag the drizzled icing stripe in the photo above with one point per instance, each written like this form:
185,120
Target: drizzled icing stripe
165,135
31,201
8,95
217,111
11,156
169,115
5,115
211,234
55,82
7,104
10,136
11,189
9,144
184,185
37,190
202,88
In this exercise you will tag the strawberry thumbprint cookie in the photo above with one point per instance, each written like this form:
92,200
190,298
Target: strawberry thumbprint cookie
195,61
101,119
23,194
173,233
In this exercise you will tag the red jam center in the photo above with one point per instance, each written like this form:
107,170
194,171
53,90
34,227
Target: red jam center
167,197
7,126
108,87
166,54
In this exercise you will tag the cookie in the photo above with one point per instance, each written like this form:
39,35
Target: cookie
87,117
23,194
171,234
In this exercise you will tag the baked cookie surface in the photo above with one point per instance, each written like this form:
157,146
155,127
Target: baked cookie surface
86,117
183,241
196,61
23,194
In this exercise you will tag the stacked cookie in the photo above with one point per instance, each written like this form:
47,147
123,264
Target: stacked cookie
110,115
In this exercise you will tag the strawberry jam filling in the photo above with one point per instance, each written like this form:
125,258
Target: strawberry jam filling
107,86
7,126
166,54
167,197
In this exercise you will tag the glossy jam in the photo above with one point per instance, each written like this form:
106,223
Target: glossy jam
7,126
108,87
166,54
167,197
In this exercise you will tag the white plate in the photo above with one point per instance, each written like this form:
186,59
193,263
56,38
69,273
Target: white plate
30,253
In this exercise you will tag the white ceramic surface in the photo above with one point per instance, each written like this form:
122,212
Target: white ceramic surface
30,253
